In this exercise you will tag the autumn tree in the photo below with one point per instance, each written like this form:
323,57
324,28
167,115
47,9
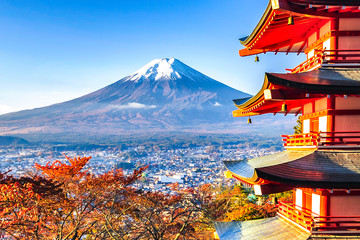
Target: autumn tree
186,214
28,206
241,207
66,201
88,197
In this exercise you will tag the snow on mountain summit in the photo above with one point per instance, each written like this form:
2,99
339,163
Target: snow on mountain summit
157,69
165,69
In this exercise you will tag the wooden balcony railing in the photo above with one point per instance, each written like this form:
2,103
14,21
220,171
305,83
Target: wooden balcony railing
300,216
349,139
341,56
349,56
320,225
306,139
341,224
310,63
339,138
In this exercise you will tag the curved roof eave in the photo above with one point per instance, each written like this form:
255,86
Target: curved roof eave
258,27
252,180
311,168
257,96
307,183
323,80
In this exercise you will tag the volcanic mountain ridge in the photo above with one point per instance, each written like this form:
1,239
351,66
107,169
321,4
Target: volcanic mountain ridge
164,95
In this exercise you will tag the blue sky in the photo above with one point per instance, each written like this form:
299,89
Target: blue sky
52,51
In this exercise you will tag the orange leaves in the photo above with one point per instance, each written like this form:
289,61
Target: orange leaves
68,202
30,206
251,211
61,172
90,201
182,215
242,208
21,205
114,178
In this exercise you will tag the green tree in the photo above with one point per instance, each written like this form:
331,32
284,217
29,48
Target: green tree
298,127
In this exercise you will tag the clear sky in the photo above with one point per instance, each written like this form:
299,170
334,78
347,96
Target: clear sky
56,50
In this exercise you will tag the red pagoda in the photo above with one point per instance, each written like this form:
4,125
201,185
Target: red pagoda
322,163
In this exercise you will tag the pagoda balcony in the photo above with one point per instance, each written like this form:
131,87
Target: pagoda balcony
301,217
323,140
319,225
341,58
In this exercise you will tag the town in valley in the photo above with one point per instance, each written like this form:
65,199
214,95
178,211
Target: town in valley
188,165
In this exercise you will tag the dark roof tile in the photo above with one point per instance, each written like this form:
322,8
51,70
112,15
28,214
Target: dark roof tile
321,168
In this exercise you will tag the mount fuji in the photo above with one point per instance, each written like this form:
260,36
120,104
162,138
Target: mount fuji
164,95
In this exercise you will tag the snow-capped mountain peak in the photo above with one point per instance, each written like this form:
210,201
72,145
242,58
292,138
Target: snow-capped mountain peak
165,95
157,69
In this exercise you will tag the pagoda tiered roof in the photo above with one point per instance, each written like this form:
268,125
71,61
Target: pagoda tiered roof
297,89
273,34
321,162
306,168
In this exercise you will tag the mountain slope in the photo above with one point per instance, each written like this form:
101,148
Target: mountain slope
164,95
12,141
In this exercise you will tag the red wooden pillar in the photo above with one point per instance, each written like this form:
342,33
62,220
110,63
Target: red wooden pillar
324,205
334,43
331,117
303,199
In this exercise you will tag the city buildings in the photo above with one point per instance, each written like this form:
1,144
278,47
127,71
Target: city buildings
189,166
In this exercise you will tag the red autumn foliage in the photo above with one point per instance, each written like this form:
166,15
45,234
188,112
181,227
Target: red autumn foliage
27,204
68,202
